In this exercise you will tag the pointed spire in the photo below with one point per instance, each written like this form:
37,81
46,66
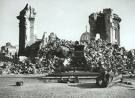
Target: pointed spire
26,7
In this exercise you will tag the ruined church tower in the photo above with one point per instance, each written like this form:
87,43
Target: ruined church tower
106,24
26,28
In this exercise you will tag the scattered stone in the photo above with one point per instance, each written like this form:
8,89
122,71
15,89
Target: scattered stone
19,83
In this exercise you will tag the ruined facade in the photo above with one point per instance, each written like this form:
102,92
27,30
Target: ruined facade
26,28
106,24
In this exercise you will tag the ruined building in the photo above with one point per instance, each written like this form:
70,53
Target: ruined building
26,28
105,24
9,50
29,44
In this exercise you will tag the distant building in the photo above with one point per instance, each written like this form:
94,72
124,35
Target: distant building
26,28
85,37
106,24
9,50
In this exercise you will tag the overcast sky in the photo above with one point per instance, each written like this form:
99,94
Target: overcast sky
66,18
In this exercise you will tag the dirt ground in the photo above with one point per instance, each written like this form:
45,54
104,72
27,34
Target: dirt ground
37,88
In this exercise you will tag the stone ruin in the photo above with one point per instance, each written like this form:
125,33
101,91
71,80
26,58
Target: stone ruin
106,24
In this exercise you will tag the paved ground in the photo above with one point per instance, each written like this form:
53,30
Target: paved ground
37,88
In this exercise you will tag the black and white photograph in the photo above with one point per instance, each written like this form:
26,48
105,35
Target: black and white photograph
67,49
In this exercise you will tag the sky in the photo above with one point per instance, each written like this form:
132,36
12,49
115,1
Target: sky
66,18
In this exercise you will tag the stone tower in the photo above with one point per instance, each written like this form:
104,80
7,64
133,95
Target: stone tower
106,24
26,28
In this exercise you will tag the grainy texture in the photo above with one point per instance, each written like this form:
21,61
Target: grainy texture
35,88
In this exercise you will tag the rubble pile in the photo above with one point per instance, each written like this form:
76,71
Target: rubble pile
99,54
52,56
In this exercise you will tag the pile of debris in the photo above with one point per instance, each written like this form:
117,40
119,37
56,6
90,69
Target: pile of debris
103,55
99,54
